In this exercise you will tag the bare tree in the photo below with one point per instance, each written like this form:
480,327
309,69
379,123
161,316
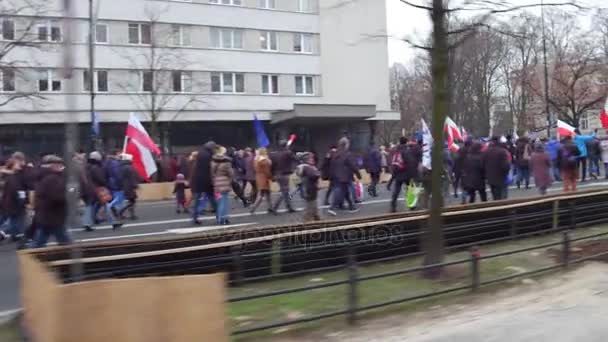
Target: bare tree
410,92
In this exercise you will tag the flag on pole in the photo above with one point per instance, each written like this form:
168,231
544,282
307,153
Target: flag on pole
604,116
465,134
427,143
292,138
453,133
564,130
260,135
140,146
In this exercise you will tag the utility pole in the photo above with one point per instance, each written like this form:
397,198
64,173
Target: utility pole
94,135
547,110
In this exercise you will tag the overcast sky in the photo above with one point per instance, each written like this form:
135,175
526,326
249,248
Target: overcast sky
404,20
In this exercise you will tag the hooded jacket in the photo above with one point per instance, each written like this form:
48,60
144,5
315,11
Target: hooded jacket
51,203
342,165
221,169
200,180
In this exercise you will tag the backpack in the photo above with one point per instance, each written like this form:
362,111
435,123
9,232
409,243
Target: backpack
397,162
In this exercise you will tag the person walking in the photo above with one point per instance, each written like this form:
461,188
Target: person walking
458,168
114,179
51,203
568,160
327,174
238,175
523,152
540,164
179,189
553,150
343,168
201,182
473,174
594,154
130,184
604,149
384,157
404,163
223,174
263,176
373,166
496,165
309,174
283,165
87,192
581,143
249,174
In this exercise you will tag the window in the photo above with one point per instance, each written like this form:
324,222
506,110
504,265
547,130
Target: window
8,29
268,4
101,81
48,81
270,84
584,121
49,32
140,34
147,81
268,41
7,80
302,42
227,82
181,35
226,38
305,85
182,81
101,33
226,2
305,5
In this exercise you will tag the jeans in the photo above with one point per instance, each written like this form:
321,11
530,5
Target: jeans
118,197
223,208
330,188
523,176
341,193
555,170
88,215
199,200
43,233
397,192
594,166
284,186
353,191
16,225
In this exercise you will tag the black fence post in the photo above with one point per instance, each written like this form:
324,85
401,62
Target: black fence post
555,215
353,279
566,249
475,268
237,265
572,214
513,231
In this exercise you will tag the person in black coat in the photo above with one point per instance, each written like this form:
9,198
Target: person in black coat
343,168
326,173
473,174
373,166
201,181
283,164
130,184
496,166
404,162
14,197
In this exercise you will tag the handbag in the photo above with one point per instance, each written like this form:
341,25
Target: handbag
104,195
411,195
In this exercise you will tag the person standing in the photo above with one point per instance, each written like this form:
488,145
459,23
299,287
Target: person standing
594,153
51,203
309,174
568,159
343,168
384,159
540,164
553,150
222,173
497,165
130,184
523,152
179,189
604,148
373,166
284,165
473,174
201,181
581,143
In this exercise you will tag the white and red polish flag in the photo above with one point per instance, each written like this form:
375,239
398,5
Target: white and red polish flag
141,147
564,130
453,132
604,115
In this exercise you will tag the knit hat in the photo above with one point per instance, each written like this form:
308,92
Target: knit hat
95,156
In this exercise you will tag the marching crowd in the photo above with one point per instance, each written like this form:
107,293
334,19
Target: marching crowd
108,184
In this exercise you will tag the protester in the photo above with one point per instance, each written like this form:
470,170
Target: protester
604,148
222,173
473,174
51,203
6,172
327,174
283,166
552,150
343,168
567,159
87,191
581,143
404,164
309,174
249,174
97,177
373,166
130,184
114,179
201,182
496,165
263,176
179,189
458,168
523,152
540,165
237,167
384,157
594,153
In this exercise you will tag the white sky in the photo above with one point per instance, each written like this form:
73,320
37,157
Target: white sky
406,21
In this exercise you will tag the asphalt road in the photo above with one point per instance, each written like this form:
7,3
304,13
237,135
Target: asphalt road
157,219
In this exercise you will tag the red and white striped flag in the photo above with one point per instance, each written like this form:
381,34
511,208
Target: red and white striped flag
453,132
141,147
604,115
564,130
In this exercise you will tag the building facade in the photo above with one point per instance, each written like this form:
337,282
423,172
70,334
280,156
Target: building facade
198,70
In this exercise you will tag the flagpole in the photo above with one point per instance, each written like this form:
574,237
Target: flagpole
124,145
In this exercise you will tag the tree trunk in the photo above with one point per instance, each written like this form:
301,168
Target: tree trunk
433,235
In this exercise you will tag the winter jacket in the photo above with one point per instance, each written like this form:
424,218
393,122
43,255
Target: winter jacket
373,161
343,167
540,164
552,149
283,162
180,191
221,170
523,153
594,150
604,147
567,156
5,174
473,172
263,173
326,173
200,179
412,157
51,203
96,174
496,165
14,195
249,167
114,178
581,143
309,175
130,180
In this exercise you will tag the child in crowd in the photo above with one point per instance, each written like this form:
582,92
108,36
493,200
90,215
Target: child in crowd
180,193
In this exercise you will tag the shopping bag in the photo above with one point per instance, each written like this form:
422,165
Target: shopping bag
510,178
359,191
411,196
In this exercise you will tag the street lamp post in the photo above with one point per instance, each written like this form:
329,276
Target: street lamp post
547,111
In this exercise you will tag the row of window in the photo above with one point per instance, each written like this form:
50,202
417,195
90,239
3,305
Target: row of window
141,34
143,81
303,5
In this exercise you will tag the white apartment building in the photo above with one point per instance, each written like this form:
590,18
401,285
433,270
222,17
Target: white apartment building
200,69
